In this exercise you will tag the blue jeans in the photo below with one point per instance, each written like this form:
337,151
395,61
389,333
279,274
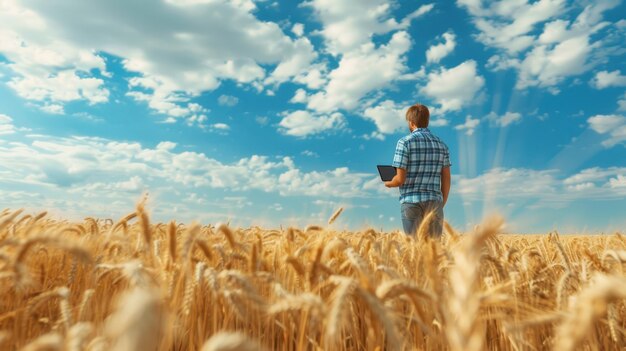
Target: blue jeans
414,213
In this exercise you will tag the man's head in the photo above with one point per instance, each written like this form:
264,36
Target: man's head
417,116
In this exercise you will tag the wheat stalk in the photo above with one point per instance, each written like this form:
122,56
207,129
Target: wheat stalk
334,216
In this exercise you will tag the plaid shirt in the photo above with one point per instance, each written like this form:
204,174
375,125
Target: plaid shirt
422,155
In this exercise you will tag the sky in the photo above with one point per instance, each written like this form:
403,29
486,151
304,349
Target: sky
276,113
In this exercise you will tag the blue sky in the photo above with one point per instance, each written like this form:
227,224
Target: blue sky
276,113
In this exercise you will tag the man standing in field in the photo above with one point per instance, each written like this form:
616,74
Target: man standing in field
422,164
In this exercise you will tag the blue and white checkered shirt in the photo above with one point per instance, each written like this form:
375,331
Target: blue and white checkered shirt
423,155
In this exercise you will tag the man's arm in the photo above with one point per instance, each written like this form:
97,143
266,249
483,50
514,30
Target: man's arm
445,183
398,179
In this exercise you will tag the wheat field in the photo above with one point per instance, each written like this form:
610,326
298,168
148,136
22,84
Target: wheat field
137,285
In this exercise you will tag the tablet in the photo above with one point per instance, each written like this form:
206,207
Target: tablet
386,172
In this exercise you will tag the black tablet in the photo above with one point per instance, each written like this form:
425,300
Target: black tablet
386,172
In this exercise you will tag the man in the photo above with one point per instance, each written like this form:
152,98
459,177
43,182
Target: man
422,164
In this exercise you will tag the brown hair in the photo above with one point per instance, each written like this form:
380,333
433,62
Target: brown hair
419,115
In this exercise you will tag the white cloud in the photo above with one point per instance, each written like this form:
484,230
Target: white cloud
564,48
605,123
456,87
598,182
304,123
54,109
228,100
581,186
314,77
46,68
388,117
506,119
262,120
6,125
299,97
605,79
438,122
349,24
298,29
438,51
132,185
554,32
595,175
512,182
310,153
186,59
70,177
618,182
613,126
221,126
79,163
347,83
543,185
506,24
347,29
547,66
104,177
62,86
469,126
298,62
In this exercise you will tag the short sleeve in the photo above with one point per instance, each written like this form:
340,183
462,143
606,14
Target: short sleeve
446,157
401,156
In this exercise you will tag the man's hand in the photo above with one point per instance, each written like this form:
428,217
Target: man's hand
398,179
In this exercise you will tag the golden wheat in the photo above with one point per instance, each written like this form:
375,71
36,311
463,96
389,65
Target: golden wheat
100,285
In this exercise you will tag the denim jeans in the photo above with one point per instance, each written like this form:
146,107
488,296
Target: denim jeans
414,213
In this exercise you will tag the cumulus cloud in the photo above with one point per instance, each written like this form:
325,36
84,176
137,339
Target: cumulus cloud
544,185
80,163
456,87
185,59
310,153
469,126
347,29
348,83
349,24
221,126
506,24
45,68
228,100
53,109
563,48
61,86
388,116
6,125
612,126
618,182
314,77
73,176
598,182
605,79
438,51
514,182
298,29
439,122
299,97
104,177
303,123
504,120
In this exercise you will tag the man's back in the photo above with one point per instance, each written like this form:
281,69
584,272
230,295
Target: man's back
423,155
